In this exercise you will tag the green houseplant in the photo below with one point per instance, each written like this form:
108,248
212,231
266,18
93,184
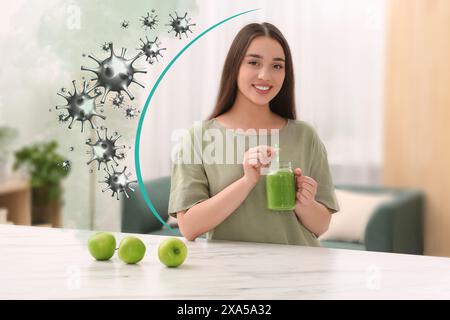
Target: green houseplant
46,170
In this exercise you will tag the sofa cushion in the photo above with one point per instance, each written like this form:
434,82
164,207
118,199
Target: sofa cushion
349,224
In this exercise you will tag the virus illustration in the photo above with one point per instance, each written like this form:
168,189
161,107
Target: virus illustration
124,24
117,101
104,150
121,155
105,46
180,25
118,182
150,21
151,49
62,118
115,73
65,165
80,106
131,112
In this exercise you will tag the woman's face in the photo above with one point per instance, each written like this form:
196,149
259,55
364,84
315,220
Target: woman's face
262,71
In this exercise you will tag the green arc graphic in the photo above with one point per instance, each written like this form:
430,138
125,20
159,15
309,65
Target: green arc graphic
144,111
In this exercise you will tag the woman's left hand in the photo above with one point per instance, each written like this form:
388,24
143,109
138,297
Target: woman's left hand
306,188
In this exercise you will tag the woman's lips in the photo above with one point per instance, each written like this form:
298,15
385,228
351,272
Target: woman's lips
262,89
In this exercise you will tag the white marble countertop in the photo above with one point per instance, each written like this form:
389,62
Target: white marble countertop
44,263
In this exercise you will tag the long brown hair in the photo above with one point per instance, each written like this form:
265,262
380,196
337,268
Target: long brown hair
284,102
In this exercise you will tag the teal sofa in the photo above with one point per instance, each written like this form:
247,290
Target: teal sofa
396,226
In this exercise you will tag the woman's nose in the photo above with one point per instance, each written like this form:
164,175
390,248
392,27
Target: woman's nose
264,74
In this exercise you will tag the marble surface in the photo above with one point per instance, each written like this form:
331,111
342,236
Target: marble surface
44,263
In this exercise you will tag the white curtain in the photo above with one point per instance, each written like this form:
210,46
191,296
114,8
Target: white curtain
337,47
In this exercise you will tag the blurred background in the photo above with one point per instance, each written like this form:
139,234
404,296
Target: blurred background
371,76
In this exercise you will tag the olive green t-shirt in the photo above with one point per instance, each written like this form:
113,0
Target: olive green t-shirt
214,162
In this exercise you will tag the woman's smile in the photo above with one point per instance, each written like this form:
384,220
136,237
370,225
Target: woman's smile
262,89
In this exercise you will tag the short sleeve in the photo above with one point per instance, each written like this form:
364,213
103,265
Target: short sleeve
321,173
189,183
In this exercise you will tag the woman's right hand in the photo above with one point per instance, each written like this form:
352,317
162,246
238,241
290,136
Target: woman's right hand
255,159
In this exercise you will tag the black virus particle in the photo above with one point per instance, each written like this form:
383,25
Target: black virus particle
115,73
121,155
118,182
80,106
104,149
149,21
105,46
124,24
65,165
151,49
62,118
117,101
180,25
131,112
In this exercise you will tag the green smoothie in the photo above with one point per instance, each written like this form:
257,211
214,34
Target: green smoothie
280,190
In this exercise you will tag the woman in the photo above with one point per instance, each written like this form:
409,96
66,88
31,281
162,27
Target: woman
228,201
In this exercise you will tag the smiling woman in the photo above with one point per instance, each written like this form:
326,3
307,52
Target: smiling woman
228,201
258,57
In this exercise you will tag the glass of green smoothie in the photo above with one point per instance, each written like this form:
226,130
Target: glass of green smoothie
280,187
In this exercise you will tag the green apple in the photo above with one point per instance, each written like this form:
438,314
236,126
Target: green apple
131,250
102,245
172,252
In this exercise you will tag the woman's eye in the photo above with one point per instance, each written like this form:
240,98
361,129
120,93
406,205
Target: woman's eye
253,63
278,66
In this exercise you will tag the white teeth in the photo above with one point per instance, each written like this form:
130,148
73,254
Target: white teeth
262,88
